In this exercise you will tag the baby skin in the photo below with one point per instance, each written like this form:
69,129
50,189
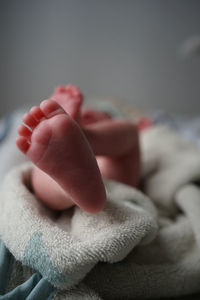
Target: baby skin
73,149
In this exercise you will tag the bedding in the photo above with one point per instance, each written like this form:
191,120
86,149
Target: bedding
143,245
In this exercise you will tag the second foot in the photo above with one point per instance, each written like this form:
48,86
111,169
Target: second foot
57,146
70,98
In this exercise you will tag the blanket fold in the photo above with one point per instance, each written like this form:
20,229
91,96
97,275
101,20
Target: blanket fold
65,246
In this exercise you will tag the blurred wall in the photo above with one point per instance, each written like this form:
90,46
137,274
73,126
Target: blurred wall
124,48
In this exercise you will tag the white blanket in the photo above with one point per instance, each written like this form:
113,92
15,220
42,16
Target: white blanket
143,245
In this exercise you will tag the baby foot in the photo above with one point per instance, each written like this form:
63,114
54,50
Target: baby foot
57,146
70,98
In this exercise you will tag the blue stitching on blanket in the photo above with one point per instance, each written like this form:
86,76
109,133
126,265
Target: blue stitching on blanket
35,287
37,257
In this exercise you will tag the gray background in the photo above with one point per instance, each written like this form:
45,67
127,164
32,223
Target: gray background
125,49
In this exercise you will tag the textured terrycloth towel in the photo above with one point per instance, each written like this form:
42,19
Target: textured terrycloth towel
141,246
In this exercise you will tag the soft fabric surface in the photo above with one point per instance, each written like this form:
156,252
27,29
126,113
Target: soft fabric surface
64,247
143,245
185,125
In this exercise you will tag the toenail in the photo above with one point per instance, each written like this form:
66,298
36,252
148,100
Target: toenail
29,128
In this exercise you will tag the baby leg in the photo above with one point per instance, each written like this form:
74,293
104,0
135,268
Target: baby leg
116,145
90,116
114,142
58,147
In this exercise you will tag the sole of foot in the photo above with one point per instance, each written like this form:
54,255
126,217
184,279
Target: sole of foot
55,143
